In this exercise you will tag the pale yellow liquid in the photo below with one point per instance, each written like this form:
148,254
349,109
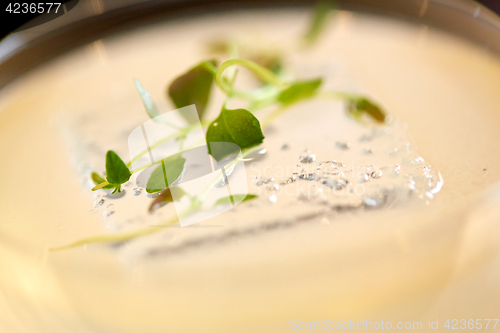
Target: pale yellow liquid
390,265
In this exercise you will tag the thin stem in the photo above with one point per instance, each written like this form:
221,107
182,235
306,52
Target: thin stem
145,166
272,116
116,238
338,95
268,96
235,161
233,79
262,72
156,144
99,186
183,131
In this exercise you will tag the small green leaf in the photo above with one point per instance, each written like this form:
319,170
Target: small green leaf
166,196
236,126
99,180
166,173
149,105
117,172
193,87
362,105
236,197
299,90
322,11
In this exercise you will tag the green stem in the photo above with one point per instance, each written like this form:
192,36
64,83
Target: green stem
99,186
145,166
273,115
268,95
231,164
338,95
116,238
165,139
262,72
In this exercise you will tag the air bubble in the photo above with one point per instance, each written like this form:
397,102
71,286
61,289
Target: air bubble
307,157
99,203
273,187
287,180
343,145
264,180
308,176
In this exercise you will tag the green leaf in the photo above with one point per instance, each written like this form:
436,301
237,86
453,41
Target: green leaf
322,11
362,105
166,196
171,166
98,180
236,197
117,172
236,126
149,105
193,87
299,90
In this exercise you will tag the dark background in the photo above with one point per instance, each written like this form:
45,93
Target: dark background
492,4
11,22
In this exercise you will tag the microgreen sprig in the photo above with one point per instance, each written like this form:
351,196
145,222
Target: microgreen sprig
239,126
